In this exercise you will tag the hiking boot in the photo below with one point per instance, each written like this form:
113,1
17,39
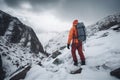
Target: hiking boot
75,63
83,63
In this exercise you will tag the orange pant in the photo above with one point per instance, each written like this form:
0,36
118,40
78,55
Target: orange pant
77,46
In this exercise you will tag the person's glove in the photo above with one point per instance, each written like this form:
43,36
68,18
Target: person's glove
68,46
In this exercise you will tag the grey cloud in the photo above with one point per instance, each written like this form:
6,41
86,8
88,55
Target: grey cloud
13,3
87,10
43,1
36,4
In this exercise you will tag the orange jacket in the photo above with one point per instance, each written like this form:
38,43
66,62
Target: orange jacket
72,35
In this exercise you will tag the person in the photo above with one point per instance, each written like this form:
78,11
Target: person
76,44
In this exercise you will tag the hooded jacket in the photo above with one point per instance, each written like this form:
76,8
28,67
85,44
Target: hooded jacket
73,35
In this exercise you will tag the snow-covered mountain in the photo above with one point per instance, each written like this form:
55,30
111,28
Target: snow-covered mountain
19,45
101,50
104,23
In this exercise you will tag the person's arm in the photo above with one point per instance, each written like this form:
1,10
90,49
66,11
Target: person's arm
70,36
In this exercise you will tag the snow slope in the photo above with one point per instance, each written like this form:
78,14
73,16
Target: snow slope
102,54
44,37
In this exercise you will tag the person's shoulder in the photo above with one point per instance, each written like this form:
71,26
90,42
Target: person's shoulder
72,28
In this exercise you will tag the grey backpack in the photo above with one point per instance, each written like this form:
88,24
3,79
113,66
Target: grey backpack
81,31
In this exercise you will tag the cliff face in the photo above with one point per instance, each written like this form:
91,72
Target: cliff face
19,45
16,32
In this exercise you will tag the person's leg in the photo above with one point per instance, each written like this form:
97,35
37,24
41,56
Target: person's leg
81,54
73,51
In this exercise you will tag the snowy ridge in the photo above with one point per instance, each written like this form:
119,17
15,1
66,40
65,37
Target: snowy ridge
104,24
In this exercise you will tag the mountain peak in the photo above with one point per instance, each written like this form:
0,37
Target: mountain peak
104,23
19,44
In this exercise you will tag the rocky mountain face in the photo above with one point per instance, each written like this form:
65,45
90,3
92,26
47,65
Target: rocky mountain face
104,24
19,45
16,32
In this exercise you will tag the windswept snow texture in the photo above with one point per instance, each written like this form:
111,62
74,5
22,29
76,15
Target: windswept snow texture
102,54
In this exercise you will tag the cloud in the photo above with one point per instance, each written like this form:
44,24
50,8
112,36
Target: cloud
69,9
13,3
88,11
37,5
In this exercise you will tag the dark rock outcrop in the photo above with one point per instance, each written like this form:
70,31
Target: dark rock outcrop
117,28
57,61
76,71
21,75
55,54
116,73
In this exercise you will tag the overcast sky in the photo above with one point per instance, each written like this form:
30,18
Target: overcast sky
57,15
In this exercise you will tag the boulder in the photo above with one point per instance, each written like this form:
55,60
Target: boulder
20,75
55,54
116,73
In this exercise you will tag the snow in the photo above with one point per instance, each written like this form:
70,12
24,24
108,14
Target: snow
39,73
103,50
15,57
44,37
102,55
57,42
